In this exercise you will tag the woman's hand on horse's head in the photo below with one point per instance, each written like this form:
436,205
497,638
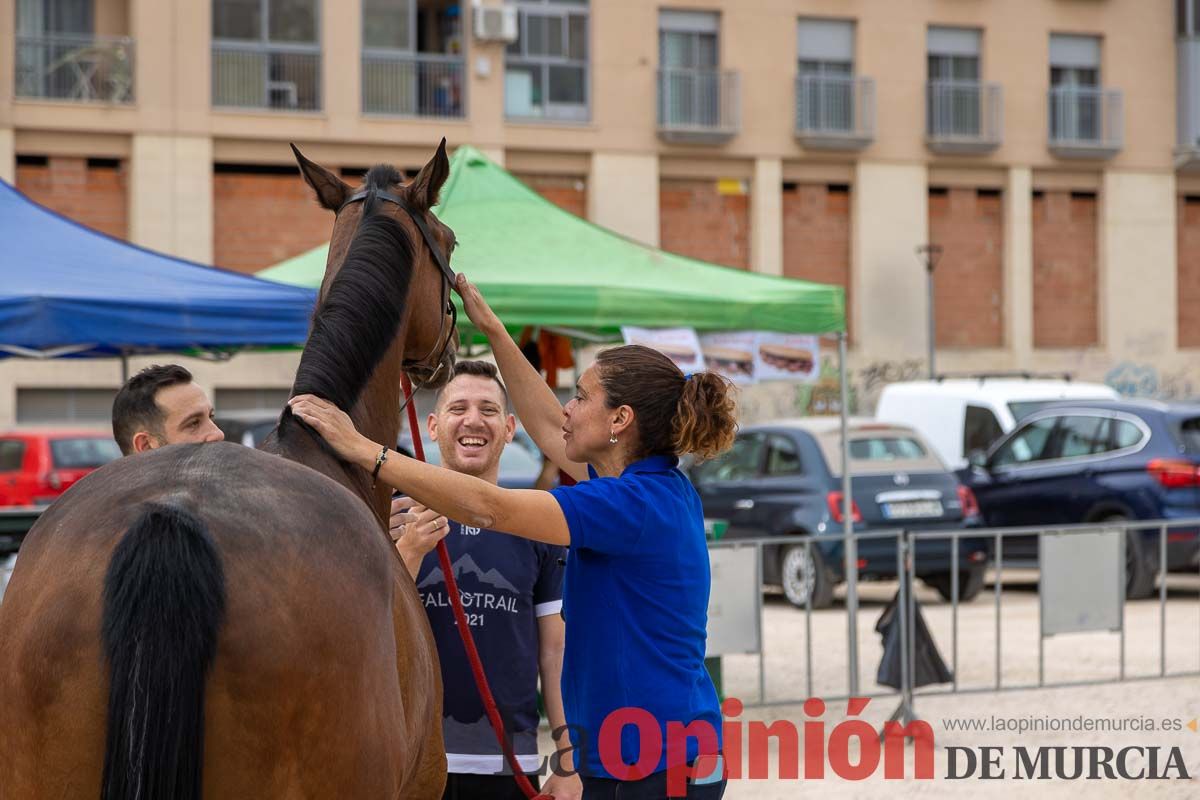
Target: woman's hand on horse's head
336,428
479,312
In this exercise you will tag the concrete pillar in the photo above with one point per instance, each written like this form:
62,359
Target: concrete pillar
1138,278
766,217
623,194
171,195
341,66
891,218
494,153
1018,264
8,156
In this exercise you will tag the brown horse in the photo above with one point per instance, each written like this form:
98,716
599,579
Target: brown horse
214,621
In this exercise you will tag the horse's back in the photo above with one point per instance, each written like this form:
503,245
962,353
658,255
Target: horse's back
303,697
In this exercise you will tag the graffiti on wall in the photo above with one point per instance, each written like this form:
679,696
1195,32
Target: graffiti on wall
1144,379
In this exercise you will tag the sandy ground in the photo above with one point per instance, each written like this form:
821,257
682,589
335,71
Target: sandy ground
1077,657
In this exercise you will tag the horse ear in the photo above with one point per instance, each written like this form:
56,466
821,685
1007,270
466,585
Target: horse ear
423,192
331,190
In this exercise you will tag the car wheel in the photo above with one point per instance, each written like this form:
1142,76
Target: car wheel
803,573
1140,567
970,583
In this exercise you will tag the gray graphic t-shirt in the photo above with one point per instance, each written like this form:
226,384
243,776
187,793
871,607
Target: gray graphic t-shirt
506,583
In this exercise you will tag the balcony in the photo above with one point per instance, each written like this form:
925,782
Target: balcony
698,106
835,112
80,68
270,76
1085,122
405,84
963,116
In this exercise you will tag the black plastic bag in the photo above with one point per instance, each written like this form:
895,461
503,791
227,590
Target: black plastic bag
929,668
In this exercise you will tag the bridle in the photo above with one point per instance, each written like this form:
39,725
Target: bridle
443,337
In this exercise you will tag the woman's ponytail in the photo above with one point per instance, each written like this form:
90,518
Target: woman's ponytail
706,416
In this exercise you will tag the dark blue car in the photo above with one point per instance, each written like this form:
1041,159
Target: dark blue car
784,478
1097,461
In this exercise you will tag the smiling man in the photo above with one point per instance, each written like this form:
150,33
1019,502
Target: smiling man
512,593
161,406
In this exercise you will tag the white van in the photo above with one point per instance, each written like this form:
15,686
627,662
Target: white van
959,415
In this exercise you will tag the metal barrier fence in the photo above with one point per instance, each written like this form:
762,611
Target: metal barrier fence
1050,549
75,67
266,76
835,107
413,84
964,112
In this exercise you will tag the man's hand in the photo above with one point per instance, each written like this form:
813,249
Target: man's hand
416,530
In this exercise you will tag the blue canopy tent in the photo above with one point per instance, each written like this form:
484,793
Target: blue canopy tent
69,291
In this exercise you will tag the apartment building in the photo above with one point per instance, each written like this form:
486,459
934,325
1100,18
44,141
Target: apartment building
1049,147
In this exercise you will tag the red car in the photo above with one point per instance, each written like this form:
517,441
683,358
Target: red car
36,466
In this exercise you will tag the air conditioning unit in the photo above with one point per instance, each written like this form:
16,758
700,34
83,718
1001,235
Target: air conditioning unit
496,23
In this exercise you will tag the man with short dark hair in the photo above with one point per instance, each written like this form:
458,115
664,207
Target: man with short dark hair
161,406
512,593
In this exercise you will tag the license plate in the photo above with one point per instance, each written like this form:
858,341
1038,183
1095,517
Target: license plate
913,509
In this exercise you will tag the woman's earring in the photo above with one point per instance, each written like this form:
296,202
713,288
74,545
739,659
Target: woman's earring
612,437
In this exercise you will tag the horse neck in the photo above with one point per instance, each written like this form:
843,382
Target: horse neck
376,416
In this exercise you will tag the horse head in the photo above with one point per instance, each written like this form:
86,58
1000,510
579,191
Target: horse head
428,328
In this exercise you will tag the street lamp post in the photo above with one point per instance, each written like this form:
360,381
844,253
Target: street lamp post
930,254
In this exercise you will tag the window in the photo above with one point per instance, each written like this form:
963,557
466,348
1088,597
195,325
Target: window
266,54
955,99
389,24
743,461
825,49
688,58
783,456
1083,436
1075,99
546,69
12,453
980,429
1028,444
1126,434
886,448
83,453
91,406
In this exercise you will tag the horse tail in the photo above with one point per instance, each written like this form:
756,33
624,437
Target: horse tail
164,601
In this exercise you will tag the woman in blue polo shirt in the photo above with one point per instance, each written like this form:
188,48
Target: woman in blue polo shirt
635,595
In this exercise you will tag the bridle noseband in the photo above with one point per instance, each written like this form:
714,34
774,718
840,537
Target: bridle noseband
443,264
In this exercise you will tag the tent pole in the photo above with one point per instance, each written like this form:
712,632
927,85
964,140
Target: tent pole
849,545
124,367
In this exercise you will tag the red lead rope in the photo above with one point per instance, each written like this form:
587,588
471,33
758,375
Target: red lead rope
464,630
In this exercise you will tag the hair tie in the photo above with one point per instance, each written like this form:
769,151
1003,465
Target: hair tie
687,376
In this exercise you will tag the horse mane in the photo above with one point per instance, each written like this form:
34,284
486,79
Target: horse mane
358,320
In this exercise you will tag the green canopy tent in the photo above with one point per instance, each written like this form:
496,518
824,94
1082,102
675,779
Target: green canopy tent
539,265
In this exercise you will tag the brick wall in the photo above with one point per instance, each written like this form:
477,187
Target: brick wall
697,220
568,193
1187,228
261,217
1065,269
90,191
816,234
968,281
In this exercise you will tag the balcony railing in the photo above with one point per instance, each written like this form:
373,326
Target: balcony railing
1086,121
254,75
835,111
963,116
413,84
78,67
698,105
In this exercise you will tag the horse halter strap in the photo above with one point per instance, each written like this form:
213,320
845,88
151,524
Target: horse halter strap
438,256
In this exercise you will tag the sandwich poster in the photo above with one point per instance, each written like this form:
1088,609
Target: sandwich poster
787,357
678,344
731,354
